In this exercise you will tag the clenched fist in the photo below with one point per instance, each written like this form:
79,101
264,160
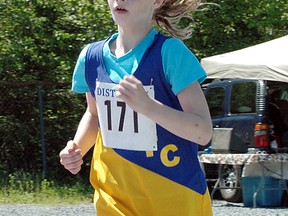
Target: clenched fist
71,158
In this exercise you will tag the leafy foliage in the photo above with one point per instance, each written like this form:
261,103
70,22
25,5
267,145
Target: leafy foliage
21,187
228,25
41,40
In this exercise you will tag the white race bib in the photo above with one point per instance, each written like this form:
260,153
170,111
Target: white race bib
121,127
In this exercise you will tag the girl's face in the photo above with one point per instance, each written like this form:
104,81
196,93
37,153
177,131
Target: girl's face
129,13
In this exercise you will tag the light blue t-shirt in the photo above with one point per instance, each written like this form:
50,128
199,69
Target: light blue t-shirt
180,65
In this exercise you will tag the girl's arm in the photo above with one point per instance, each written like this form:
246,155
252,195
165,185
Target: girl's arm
71,156
87,131
193,124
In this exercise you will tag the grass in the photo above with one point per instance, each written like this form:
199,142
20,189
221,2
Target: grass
23,188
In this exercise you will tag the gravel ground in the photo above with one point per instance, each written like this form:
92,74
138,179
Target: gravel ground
220,208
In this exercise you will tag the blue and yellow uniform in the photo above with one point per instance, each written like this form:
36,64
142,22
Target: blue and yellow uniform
165,182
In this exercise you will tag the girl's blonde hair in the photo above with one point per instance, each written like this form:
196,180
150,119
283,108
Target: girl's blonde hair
171,12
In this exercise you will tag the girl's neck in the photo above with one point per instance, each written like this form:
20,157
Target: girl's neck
128,39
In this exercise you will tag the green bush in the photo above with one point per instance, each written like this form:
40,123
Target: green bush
22,187
40,42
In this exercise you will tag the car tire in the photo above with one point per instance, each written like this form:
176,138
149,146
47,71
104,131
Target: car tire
231,177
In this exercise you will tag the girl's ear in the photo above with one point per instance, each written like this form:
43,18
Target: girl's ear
158,3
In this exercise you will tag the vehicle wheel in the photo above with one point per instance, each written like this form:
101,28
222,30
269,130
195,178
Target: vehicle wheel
231,175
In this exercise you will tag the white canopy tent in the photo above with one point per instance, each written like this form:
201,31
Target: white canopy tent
267,61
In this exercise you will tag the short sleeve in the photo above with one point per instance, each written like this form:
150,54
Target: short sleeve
79,84
181,67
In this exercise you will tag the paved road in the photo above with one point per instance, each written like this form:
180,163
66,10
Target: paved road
220,208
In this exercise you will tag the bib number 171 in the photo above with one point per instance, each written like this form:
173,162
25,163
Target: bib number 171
122,106
121,127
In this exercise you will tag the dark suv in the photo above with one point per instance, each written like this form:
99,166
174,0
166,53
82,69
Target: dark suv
257,113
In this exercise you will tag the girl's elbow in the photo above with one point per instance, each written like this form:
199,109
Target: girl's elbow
206,136
209,135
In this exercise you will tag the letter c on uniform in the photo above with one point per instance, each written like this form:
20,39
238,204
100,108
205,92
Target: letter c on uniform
164,156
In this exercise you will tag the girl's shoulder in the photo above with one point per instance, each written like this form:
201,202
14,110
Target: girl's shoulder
172,41
176,46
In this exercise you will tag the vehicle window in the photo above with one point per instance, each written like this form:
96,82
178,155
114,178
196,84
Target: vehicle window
243,98
284,95
215,99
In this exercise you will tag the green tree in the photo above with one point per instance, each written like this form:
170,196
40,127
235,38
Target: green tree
229,25
40,40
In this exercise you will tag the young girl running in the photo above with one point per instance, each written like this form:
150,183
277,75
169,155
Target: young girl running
147,113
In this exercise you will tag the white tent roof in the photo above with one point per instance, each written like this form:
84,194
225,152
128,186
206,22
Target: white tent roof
267,61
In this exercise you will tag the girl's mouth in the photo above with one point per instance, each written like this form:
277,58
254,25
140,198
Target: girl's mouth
121,9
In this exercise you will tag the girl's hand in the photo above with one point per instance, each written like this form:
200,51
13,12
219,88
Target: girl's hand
71,158
132,92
